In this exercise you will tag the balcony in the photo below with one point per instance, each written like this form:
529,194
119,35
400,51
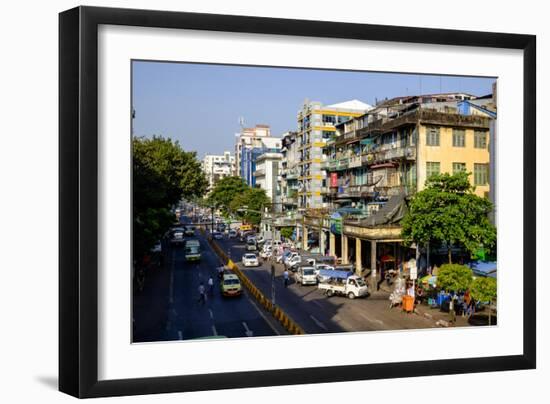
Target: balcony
355,161
349,135
378,156
408,153
259,173
343,163
290,200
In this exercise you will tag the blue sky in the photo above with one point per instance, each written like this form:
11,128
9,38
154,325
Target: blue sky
200,104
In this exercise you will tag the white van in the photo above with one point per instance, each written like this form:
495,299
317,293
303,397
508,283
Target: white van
305,275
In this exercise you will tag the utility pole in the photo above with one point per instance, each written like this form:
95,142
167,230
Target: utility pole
212,219
273,284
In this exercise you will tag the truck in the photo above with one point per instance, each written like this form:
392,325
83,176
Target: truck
192,250
342,283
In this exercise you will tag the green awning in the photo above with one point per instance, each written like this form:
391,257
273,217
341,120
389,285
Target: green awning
366,141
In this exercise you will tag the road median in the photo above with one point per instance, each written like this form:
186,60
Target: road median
284,319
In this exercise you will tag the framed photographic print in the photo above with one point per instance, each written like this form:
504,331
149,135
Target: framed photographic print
249,201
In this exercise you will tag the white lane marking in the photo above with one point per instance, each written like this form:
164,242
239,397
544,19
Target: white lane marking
372,320
247,331
211,314
317,302
180,335
171,292
260,312
214,331
319,324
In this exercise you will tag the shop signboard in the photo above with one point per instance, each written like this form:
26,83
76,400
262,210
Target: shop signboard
333,179
336,223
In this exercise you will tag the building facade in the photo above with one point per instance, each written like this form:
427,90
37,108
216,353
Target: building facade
268,167
216,167
249,145
397,146
316,126
289,171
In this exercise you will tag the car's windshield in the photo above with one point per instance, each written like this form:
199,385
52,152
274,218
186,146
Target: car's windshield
231,281
250,256
360,282
309,271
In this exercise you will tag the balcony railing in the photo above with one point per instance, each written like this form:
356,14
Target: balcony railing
396,153
259,173
355,161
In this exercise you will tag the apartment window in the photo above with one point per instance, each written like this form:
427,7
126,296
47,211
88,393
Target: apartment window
343,118
481,174
432,136
432,168
459,167
459,138
480,139
329,119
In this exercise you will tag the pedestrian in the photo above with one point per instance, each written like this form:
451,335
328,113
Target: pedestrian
211,286
452,312
285,277
466,304
472,307
220,272
202,295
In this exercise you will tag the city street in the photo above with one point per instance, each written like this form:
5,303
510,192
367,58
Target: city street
168,307
315,312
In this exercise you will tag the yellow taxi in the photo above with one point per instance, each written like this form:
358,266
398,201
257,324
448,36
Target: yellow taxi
230,285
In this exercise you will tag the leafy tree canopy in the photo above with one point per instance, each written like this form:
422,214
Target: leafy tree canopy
287,232
448,212
249,204
484,289
225,190
162,174
454,277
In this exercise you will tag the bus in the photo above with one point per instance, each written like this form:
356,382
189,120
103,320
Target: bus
192,250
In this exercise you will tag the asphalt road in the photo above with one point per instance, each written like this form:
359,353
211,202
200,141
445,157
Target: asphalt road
186,318
315,312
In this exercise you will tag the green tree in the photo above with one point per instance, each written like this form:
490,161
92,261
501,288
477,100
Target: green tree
162,174
454,277
287,232
448,212
225,191
484,290
248,205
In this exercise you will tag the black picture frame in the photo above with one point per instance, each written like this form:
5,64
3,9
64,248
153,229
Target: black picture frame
78,200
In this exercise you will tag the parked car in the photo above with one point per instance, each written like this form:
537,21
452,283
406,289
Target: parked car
250,260
281,258
217,235
319,267
232,234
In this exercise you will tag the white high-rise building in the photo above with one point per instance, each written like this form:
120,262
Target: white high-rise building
216,167
268,167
